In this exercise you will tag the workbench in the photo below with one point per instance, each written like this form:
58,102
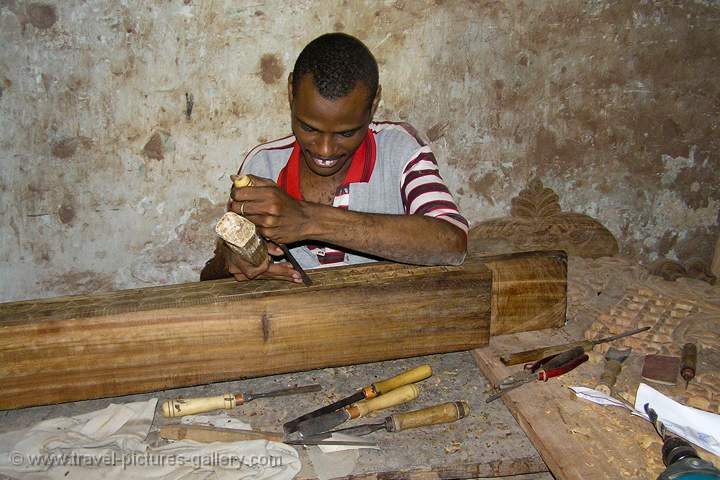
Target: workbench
488,443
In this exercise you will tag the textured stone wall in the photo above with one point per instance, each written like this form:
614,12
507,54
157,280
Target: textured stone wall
109,181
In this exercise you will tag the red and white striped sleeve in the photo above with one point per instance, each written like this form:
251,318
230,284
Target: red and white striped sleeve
424,192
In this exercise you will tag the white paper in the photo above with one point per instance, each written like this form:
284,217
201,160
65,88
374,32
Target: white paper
696,426
599,397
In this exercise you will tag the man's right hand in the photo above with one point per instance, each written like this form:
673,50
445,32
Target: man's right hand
242,270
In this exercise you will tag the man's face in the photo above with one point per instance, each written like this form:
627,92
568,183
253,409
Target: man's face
329,131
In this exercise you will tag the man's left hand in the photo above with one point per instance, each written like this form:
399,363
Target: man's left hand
278,217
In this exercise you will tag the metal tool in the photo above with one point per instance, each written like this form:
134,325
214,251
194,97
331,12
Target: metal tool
538,353
444,413
209,434
688,362
614,359
328,421
246,181
371,391
189,406
680,458
542,370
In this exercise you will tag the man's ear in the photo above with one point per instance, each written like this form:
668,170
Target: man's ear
376,101
290,89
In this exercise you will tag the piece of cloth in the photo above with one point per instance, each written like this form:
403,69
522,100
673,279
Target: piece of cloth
110,444
392,172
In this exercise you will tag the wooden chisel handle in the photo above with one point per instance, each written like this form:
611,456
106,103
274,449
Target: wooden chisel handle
188,406
398,396
444,413
411,376
207,434
539,353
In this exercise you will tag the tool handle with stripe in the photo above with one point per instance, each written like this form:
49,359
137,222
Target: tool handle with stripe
411,376
398,396
189,406
444,413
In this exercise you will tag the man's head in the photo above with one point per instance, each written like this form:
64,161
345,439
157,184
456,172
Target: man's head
333,92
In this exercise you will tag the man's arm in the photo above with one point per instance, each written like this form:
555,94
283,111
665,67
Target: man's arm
416,239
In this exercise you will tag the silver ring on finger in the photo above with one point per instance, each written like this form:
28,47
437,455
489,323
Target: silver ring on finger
242,209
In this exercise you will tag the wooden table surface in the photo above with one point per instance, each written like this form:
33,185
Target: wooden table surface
488,443
578,439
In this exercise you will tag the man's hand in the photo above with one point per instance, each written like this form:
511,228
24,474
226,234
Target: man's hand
278,217
242,270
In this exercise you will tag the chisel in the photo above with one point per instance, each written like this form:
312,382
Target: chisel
444,413
246,181
323,423
189,406
371,391
208,434
539,353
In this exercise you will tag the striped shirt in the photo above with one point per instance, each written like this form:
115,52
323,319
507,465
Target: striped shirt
393,171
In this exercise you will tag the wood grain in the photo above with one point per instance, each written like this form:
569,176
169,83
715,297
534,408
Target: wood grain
537,223
577,439
82,347
529,291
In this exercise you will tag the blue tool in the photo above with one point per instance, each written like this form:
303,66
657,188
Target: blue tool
680,458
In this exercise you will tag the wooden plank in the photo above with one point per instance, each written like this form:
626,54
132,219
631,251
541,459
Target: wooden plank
223,330
576,438
74,348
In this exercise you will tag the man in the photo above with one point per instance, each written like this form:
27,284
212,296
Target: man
341,189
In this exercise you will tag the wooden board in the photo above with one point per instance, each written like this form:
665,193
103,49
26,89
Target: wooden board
529,291
576,438
73,348
69,349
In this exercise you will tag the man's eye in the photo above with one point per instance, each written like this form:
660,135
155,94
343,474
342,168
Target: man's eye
307,128
348,134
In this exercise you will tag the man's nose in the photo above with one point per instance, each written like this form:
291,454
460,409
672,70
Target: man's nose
326,146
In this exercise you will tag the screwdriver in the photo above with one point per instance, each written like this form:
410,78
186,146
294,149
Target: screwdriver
688,363
189,406
443,413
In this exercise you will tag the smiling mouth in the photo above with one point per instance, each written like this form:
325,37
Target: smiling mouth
325,162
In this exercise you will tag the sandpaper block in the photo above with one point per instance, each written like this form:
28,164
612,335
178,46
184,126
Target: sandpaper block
661,369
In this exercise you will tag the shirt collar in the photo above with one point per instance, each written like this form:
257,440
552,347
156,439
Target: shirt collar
361,167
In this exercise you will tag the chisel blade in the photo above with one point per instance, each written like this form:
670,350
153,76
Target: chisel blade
323,423
292,425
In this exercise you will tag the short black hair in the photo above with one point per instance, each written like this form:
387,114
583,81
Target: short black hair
337,62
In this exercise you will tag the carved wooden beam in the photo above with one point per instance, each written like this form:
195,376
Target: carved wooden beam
132,341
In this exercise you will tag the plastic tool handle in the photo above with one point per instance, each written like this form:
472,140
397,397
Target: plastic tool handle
411,376
398,396
189,406
556,371
444,413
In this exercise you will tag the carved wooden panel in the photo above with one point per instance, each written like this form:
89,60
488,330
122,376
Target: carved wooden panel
536,222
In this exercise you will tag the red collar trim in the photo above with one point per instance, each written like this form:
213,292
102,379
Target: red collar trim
361,167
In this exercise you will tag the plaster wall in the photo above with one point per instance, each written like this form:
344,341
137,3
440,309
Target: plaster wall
106,181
